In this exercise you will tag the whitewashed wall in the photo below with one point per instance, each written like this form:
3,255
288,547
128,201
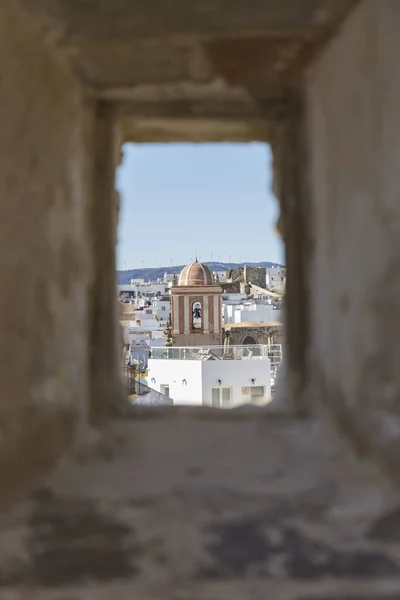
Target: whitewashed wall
202,376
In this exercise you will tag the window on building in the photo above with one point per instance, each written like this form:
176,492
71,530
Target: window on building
257,394
199,314
221,397
148,312
165,390
196,316
253,394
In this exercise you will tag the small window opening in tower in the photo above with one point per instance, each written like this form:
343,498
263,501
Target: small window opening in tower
200,275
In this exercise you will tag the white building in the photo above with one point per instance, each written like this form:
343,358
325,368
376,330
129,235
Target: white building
253,311
143,325
162,308
156,313
138,288
212,376
135,331
275,278
169,277
139,348
219,276
126,291
143,321
149,289
250,311
234,298
229,302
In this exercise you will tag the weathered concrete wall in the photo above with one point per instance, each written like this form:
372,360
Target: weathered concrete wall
44,260
291,186
231,505
354,129
106,388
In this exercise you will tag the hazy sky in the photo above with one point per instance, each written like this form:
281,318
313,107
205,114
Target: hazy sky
213,199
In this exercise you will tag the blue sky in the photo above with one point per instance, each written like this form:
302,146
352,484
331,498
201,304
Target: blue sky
213,199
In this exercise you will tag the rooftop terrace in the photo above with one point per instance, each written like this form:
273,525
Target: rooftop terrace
257,352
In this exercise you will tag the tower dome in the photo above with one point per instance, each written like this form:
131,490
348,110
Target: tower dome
196,274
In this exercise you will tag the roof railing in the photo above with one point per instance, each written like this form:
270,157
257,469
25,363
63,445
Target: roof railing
234,352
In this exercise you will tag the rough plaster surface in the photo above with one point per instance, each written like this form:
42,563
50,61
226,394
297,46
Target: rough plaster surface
179,504
354,132
184,504
106,390
192,71
44,258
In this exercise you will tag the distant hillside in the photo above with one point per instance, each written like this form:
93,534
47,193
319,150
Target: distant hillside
153,274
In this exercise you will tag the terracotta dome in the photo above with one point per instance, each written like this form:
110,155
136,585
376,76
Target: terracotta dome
196,274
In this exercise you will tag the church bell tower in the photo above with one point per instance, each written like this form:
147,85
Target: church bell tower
196,308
